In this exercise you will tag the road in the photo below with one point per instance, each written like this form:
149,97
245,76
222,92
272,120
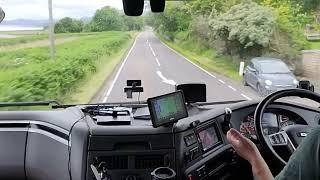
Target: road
160,68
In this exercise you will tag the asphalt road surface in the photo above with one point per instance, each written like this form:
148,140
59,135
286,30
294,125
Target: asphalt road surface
160,68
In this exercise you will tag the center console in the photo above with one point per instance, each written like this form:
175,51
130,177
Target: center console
205,154
130,157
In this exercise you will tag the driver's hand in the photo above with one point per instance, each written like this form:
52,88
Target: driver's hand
249,151
243,146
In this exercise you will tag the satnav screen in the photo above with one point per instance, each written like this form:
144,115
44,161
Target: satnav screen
208,138
167,108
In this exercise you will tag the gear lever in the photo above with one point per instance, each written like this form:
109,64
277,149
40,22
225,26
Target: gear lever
226,125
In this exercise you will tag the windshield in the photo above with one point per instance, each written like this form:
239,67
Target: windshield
79,51
274,67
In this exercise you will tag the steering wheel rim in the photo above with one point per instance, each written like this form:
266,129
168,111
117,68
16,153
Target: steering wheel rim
262,106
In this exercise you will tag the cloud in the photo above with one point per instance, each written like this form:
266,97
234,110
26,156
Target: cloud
38,9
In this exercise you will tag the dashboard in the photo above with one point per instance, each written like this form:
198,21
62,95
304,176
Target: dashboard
70,143
272,121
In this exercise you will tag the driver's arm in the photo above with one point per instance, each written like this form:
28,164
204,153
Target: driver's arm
305,161
303,164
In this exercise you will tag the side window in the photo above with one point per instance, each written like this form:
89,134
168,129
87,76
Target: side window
257,67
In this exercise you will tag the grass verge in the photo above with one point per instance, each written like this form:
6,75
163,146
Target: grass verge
29,74
105,66
206,58
315,45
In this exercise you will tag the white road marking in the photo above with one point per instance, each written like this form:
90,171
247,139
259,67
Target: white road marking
246,97
189,60
154,54
118,73
221,81
234,89
202,69
165,80
158,61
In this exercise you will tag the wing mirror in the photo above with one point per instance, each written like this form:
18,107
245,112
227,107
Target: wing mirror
2,14
306,85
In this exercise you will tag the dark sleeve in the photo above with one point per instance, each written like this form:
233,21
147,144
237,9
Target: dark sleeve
304,162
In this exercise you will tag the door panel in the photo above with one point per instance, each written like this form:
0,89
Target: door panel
12,152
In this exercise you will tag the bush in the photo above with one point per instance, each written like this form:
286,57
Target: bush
245,25
68,25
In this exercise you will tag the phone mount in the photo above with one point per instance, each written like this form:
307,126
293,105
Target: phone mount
133,86
193,92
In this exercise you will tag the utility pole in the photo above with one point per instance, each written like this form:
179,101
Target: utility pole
51,32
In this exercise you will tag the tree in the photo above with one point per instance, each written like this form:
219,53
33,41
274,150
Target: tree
174,18
244,25
68,25
132,23
107,19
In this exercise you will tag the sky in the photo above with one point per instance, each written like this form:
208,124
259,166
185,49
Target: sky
38,9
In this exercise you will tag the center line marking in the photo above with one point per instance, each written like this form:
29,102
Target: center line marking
154,54
221,81
246,97
234,89
158,61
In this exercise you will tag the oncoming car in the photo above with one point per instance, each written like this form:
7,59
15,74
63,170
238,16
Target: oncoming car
268,75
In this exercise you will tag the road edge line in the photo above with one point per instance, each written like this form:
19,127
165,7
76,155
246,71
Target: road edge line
188,59
119,70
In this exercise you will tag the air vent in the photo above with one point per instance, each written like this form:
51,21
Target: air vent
115,162
149,161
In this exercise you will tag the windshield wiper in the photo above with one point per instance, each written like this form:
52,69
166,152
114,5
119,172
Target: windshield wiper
36,103
105,105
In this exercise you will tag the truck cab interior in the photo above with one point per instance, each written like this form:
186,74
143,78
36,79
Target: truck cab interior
173,136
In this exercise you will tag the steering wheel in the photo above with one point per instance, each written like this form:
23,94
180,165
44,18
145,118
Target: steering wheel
289,136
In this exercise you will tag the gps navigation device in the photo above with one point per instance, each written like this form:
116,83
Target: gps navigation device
167,109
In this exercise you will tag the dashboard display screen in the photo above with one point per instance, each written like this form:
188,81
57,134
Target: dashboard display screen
269,120
167,108
208,138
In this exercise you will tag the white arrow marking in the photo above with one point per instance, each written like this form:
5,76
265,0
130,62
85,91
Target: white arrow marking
165,80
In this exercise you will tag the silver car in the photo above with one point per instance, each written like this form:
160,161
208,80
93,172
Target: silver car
268,75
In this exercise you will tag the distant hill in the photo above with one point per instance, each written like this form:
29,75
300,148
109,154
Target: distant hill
36,23
26,22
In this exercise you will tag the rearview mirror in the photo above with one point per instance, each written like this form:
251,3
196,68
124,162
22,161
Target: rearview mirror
133,7
2,14
157,6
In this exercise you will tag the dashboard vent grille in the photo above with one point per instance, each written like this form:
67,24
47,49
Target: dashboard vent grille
115,162
149,161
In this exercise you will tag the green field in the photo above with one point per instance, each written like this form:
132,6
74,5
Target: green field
29,75
27,38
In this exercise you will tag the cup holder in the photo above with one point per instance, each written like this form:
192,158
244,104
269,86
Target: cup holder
163,173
